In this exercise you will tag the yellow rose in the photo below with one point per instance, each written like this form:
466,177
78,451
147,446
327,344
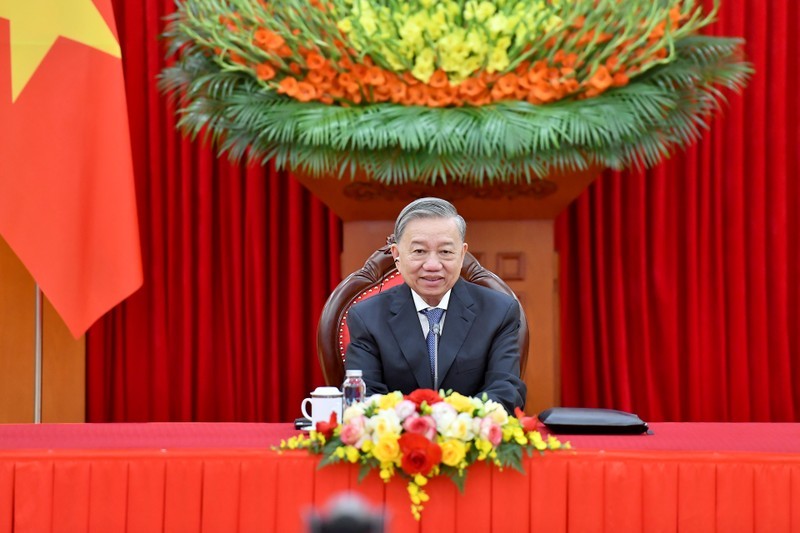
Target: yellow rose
462,404
453,452
387,449
388,401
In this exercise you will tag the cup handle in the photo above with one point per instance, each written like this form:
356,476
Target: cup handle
303,408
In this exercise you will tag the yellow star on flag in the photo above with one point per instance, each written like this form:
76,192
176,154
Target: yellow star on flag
35,25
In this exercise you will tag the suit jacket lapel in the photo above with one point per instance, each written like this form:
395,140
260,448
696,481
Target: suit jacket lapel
407,331
460,316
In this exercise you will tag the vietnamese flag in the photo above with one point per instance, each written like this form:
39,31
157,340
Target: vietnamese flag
67,198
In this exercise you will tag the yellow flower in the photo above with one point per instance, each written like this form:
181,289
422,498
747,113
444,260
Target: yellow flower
387,449
424,66
498,60
498,24
367,446
386,473
420,480
478,11
346,25
352,454
462,404
484,447
538,443
553,442
453,452
388,401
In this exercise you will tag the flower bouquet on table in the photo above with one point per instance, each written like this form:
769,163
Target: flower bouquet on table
425,434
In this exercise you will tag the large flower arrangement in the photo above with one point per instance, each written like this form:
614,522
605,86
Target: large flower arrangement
469,90
425,434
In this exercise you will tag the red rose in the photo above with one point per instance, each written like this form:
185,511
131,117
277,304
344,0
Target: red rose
528,423
326,428
424,395
419,455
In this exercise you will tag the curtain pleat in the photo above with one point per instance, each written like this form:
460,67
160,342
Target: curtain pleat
679,285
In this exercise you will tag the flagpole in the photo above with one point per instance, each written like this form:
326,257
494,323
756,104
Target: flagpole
37,383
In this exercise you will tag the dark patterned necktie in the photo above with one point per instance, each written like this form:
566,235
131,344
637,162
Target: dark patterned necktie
434,316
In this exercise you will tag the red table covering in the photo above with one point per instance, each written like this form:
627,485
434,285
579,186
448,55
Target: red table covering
224,477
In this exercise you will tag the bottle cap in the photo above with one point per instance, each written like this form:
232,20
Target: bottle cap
353,373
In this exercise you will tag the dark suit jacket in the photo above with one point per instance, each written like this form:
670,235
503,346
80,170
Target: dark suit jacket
478,350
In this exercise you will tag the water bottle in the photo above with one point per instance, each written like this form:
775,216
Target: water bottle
354,389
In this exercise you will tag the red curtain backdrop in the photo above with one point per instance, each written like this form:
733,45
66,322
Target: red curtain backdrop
237,264
679,286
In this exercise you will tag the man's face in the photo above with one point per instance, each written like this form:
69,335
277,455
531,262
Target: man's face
430,254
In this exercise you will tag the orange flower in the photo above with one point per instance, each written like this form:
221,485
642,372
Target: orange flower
236,58
439,79
674,17
374,76
397,91
305,92
471,87
268,40
409,79
265,72
345,63
570,86
507,84
543,92
347,82
567,60
416,95
288,86
601,79
229,24
439,97
316,78
586,38
620,79
314,61
359,71
658,30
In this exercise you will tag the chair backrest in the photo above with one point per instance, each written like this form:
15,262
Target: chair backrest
377,274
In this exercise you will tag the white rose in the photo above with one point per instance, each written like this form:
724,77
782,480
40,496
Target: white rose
496,412
461,428
384,422
405,409
444,414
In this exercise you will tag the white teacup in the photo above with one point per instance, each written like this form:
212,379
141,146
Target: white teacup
324,401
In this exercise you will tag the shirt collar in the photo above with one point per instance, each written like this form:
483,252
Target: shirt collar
421,305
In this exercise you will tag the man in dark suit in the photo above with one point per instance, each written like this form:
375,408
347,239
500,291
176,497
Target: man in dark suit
436,330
